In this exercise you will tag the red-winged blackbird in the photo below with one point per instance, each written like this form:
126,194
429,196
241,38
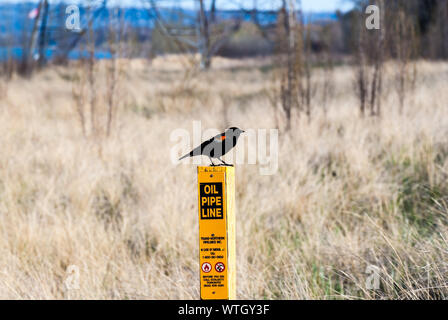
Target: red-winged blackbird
217,146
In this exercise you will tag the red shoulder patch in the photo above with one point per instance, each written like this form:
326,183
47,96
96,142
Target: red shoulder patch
223,138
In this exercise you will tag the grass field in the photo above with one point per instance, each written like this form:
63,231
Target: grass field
349,192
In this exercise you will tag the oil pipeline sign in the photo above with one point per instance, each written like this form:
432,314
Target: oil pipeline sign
211,198
216,232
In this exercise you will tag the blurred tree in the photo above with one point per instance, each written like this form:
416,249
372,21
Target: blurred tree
211,34
42,33
28,56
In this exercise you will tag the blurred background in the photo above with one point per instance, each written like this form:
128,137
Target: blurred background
92,207
34,33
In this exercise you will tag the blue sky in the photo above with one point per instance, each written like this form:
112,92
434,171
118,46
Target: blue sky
308,5
326,5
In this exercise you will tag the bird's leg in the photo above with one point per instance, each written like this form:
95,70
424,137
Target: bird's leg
213,165
226,164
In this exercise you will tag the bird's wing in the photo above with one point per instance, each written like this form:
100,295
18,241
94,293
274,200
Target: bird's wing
199,149
206,147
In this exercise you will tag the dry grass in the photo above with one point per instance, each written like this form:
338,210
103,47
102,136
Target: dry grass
348,193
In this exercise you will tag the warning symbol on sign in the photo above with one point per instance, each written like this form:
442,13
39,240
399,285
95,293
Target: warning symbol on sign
206,267
219,267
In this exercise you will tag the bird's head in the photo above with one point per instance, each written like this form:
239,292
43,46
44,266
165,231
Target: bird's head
234,131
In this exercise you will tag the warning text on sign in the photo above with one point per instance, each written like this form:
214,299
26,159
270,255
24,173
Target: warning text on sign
211,200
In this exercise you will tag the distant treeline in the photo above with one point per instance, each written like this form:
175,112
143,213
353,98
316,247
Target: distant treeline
424,20
148,32
141,23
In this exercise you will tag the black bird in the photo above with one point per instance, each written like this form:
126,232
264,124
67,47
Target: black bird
217,146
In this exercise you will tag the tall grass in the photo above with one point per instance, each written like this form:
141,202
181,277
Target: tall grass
349,192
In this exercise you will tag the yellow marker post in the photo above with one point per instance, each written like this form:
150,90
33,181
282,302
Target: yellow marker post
216,191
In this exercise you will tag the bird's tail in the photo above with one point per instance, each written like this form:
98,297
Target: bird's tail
185,156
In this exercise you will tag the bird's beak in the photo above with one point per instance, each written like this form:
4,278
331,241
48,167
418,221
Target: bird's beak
242,131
